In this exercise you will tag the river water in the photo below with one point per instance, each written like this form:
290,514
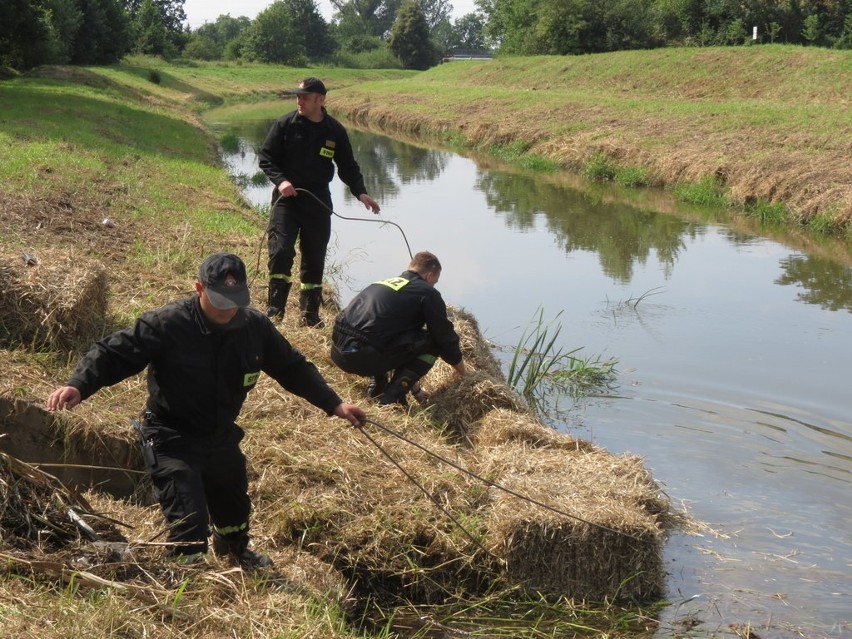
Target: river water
733,354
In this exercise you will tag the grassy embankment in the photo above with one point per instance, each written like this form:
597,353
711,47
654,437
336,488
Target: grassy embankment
82,146
79,148
764,128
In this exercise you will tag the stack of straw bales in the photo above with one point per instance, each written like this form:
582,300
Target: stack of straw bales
330,490
57,302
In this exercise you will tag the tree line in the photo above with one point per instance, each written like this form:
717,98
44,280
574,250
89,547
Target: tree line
413,34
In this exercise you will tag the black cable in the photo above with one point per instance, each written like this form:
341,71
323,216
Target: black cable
503,488
360,219
429,495
333,212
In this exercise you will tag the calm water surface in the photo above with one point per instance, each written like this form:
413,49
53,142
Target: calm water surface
734,370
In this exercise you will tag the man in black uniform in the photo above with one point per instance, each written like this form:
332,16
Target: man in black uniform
400,325
204,354
300,151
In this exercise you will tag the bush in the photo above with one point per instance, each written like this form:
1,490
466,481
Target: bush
599,168
706,192
632,177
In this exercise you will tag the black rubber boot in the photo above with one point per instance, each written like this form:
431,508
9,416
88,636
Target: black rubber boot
401,383
236,548
309,304
378,385
277,300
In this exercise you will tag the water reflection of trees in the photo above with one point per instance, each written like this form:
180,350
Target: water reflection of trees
621,235
825,282
385,162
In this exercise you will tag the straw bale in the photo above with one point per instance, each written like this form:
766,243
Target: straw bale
475,348
603,539
502,426
329,489
59,301
459,402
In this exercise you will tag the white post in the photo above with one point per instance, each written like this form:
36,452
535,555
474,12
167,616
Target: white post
754,33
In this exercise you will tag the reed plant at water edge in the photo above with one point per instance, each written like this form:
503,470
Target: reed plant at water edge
540,369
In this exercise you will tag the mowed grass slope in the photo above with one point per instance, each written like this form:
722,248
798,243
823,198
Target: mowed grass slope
763,125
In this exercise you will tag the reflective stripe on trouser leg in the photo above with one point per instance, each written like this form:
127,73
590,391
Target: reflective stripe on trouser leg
226,485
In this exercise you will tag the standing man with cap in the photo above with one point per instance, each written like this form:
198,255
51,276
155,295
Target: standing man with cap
204,354
299,152
399,324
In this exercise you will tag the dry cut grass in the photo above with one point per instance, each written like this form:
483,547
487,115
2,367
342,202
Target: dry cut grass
347,514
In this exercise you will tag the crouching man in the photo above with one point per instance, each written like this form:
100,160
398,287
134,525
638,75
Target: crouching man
395,329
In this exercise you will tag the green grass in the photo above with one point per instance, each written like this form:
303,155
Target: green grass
600,168
705,192
669,117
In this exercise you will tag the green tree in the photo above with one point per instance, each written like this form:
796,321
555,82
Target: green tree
173,14
510,23
735,33
469,32
64,23
41,32
24,33
208,42
811,30
288,32
104,33
628,25
773,30
150,34
159,30
844,41
436,11
410,40
369,17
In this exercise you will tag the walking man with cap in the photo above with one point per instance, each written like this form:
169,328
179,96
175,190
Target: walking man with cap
299,152
397,325
203,354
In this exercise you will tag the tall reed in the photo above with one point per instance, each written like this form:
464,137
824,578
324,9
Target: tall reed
542,371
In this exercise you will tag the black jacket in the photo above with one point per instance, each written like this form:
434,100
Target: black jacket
388,316
302,152
199,374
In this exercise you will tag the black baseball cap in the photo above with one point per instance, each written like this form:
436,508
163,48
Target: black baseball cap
309,85
224,277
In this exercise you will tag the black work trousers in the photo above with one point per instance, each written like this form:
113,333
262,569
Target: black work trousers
368,361
198,484
304,219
